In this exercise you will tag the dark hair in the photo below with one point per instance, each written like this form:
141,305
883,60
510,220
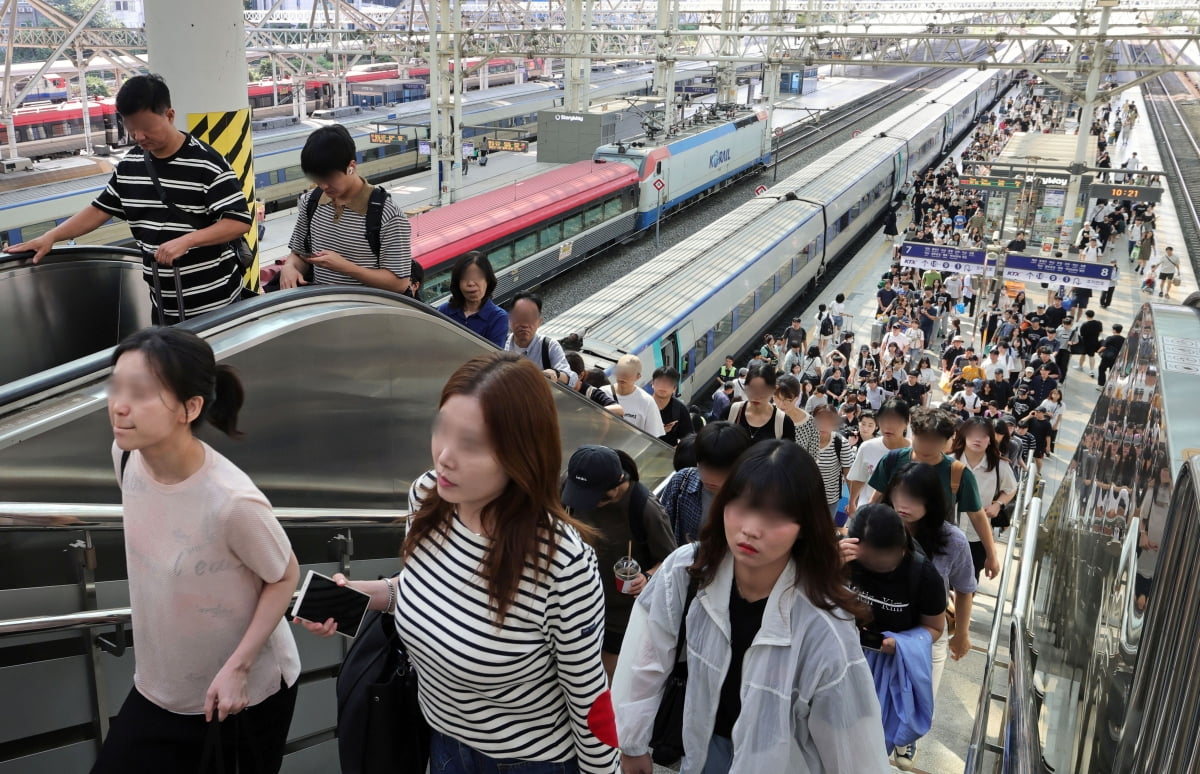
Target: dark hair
522,424
596,377
327,151
895,406
764,371
989,428
923,482
575,362
879,526
813,351
144,92
186,366
665,372
685,453
720,444
931,421
473,258
789,385
628,465
782,477
525,295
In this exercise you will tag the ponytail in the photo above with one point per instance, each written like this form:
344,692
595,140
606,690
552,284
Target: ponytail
227,401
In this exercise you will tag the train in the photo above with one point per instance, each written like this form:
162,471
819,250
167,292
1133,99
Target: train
714,293
538,228
512,111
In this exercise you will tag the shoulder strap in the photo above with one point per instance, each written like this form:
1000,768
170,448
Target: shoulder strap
916,568
194,220
779,420
545,353
637,521
124,463
735,413
837,448
310,212
956,474
374,225
681,638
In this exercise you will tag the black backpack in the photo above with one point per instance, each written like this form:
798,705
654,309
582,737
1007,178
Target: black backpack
827,325
374,224
637,523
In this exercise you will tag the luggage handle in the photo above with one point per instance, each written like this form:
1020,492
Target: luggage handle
158,299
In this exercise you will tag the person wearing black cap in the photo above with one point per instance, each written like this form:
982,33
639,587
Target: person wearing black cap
1020,404
603,491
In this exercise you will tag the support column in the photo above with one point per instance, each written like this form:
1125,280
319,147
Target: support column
1099,57
446,88
577,71
727,71
200,50
85,100
664,64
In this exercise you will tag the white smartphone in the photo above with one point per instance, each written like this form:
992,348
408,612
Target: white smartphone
321,599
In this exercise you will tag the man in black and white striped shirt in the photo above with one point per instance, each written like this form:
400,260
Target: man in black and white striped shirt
196,179
338,243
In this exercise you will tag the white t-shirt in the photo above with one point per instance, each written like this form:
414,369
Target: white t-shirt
640,410
986,481
198,553
868,456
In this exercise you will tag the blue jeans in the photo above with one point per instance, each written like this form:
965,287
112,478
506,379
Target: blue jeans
450,756
720,755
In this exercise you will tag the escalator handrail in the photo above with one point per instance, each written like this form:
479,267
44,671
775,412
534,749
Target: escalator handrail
94,364
95,252
88,515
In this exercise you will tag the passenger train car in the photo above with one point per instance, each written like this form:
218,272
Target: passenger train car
714,293
538,228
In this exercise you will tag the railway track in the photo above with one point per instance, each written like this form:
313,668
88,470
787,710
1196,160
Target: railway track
1175,115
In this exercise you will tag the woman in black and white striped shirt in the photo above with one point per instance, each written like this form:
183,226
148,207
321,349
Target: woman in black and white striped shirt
500,604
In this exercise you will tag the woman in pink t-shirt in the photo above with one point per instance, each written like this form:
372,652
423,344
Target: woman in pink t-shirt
211,572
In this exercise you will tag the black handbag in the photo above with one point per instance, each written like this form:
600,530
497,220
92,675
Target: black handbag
212,756
666,739
380,727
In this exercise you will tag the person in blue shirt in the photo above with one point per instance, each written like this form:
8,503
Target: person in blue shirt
472,283
689,492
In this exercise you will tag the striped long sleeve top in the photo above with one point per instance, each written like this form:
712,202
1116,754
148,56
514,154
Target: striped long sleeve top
531,687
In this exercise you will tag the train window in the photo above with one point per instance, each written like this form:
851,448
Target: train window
783,275
744,310
36,229
552,234
594,216
437,286
854,210
670,355
572,226
766,290
722,330
525,246
612,208
700,351
501,256
291,173
843,222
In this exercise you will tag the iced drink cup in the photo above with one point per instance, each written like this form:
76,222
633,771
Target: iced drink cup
627,570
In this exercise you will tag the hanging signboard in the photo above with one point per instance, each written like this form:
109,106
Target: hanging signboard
954,260
1058,271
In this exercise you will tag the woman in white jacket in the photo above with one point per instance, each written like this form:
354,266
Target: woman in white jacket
777,681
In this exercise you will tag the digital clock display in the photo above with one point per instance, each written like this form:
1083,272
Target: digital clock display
1139,193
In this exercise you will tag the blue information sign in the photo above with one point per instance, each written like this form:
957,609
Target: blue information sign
955,260
1058,271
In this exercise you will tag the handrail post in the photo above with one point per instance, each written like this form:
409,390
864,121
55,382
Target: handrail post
84,554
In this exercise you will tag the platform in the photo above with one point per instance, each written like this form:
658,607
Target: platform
944,749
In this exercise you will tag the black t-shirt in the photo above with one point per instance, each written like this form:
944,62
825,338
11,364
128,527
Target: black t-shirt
1053,317
795,337
1017,246
1040,429
886,296
951,354
1020,407
897,599
676,412
835,386
745,619
913,394
767,431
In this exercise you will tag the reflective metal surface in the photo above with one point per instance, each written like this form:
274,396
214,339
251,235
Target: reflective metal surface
1097,588
74,516
75,302
342,385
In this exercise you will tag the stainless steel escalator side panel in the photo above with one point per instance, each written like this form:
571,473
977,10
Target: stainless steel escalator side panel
75,302
341,391
1114,619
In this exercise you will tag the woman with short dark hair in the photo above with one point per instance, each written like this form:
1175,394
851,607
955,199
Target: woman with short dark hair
472,283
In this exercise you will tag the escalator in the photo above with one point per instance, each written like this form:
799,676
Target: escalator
342,384
76,302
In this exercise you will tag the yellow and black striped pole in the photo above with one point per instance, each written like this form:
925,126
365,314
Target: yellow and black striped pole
228,132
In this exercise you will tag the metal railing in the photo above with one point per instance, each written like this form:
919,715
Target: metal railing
100,516
1027,517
